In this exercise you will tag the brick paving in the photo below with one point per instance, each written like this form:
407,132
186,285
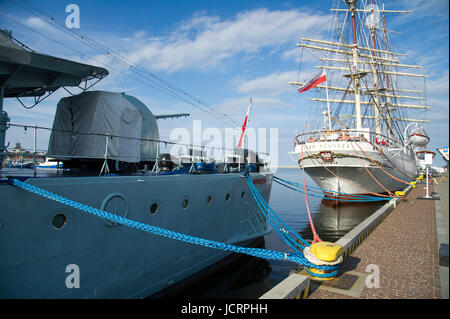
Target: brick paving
405,248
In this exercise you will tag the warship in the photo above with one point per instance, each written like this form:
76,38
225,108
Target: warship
109,146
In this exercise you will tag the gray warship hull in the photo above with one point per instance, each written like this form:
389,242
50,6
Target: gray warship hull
40,239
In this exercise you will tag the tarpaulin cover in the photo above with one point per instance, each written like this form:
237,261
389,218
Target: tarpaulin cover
100,112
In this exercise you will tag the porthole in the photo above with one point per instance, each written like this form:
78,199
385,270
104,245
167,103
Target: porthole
117,204
59,221
153,208
209,200
242,194
227,196
185,203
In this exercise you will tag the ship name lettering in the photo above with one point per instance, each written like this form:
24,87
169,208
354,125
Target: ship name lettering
260,181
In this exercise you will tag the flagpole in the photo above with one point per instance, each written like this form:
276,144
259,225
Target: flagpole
328,104
316,80
244,126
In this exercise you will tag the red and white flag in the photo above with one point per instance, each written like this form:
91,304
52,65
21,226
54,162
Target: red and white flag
316,80
244,126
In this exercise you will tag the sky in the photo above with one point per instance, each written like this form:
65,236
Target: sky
222,53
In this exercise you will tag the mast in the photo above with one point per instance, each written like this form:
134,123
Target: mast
244,126
3,125
376,108
352,5
376,101
388,99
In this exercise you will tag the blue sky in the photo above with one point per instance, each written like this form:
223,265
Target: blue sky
222,52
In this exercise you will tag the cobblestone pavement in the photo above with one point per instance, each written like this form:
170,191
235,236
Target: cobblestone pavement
405,249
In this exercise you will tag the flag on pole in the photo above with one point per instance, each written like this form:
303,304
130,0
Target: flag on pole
316,80
244,126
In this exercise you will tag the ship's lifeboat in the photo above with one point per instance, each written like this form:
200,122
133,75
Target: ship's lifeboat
419,137
421,154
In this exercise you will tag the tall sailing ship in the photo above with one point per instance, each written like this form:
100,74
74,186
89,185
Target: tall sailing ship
369,102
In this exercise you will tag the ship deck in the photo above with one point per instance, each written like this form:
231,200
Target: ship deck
29,172
61,173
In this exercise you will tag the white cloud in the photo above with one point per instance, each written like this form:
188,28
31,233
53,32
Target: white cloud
439,87
204,42
239,105
35,22
272,84
426,8
293,54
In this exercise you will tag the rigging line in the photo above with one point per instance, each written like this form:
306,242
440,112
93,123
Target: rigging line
58,42
397,179
118,136
380,150
314,190
129,65
373,177
334,196
162,90
21,44
372,98
378,106
315,235
300,64
75,35
338,111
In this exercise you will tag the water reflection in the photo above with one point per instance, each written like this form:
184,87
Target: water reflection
245,278
250,277
332,223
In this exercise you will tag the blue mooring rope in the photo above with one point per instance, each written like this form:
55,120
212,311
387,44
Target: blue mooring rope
296,257
283,230
352,197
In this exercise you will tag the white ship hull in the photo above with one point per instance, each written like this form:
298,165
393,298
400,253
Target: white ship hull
355,171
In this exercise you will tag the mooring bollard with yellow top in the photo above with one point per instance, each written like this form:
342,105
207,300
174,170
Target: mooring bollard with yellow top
400,194
413,184
323,253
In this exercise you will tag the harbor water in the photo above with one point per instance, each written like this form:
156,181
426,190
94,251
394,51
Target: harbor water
250,277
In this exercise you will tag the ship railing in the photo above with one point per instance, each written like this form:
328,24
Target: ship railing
339,135
191,154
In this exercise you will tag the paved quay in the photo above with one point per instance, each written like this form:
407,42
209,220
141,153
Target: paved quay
403,249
